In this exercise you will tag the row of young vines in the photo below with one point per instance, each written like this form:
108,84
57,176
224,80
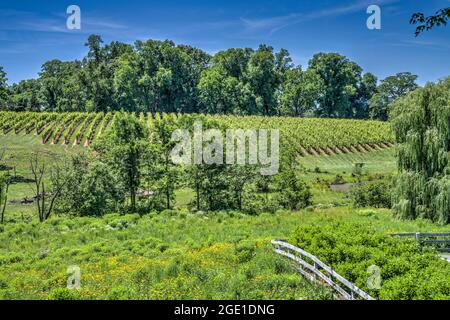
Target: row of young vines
311,135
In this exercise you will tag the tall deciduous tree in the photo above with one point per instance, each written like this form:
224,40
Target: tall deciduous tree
27,95
4,188
223,88
97,75
219,93
264,79
160,76
234,61
4,94
366,89
300,92
340,78
60,86
388,91
122,149
244,81
421,123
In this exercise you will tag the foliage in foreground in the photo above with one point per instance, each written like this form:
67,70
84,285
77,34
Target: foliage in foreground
352,247
171,255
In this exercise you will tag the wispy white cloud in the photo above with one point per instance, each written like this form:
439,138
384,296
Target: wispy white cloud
56,23
42,25
272,24
102,23
276,23
443,46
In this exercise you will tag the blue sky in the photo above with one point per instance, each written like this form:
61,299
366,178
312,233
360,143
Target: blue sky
34,31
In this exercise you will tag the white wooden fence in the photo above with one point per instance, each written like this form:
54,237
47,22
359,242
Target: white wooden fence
317,271
427,239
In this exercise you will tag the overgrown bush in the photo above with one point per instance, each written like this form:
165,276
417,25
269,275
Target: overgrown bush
255,203
375,194
293,194
90,189
351,248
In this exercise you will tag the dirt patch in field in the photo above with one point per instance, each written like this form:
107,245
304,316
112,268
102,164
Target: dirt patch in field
341,187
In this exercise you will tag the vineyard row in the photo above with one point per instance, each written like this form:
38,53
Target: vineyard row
312,136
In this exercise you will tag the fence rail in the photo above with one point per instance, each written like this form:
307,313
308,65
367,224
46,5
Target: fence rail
424,239
317,271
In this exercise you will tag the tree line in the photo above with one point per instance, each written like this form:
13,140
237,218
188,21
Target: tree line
160,76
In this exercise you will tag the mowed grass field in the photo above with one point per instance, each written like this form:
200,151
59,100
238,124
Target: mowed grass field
174,254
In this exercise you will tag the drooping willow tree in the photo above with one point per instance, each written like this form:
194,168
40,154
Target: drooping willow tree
421,124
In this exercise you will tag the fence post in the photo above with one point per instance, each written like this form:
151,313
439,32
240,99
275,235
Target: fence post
419,242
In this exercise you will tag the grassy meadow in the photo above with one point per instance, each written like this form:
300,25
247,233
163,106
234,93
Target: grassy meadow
176,254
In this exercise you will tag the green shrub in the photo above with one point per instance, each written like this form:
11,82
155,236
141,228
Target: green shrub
64,294
351,248
293,194
375,194
255,203
10,258
119,293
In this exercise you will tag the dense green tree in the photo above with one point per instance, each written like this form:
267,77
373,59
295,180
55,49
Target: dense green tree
219,93
238,178
4,94
300,92
60,86
91,188
197,61
27,95
98,72
421,124
264,79
223,88
165,172
122,150
244,81
388,91
340,78
211,186
160,76
234,61
366,89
